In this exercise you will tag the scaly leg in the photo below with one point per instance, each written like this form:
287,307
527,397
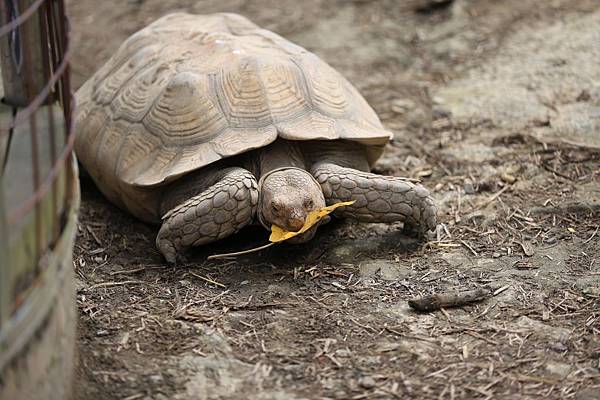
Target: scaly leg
206,207
377,198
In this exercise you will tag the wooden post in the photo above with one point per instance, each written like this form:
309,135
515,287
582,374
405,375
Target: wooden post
4,261
23,66
37,298
5,120
21,54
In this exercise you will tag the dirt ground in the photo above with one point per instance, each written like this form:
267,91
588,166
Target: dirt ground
495,106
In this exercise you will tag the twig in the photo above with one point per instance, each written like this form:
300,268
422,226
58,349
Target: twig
91,231
363,326
208,280
470,248
422,338
494,197
481,337
239,253
555,172
527,378
107,284
126,271
256,307
500,290
450,299
593,234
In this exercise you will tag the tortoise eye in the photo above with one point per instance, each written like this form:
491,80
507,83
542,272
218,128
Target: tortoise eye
275,207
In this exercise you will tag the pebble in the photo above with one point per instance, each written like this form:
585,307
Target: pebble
469,189
559,370
366,382
508,178
400,106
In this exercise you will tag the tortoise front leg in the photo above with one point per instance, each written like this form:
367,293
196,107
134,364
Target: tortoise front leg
217,211
377,198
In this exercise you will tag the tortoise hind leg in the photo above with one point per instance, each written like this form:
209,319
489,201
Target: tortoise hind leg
378,198
206,207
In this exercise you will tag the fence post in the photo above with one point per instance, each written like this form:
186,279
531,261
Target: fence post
4,262
23,76
21,50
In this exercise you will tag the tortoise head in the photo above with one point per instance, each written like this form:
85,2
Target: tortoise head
287,195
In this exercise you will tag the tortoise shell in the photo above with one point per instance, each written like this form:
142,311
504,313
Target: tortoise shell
189,90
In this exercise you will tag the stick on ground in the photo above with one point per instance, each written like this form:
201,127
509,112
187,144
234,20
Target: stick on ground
449,299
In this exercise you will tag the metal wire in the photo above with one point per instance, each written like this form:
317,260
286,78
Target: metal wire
14,24
26,113
54,34
45,186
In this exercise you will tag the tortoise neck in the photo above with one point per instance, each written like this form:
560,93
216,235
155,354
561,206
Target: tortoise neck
280,154
339,152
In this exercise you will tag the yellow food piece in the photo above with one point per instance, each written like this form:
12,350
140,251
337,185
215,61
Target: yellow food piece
279,235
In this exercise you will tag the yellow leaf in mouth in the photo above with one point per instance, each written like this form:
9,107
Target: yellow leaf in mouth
279,235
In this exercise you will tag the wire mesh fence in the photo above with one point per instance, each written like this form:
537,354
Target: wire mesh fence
38,184
35,129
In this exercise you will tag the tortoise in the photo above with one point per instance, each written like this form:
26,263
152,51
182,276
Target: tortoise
208,123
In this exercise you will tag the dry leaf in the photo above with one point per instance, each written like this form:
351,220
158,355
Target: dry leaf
279,235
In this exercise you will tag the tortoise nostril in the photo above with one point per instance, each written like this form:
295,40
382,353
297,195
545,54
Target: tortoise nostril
308,203
295,224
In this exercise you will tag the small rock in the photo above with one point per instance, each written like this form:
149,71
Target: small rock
591,291
528,249
584,96
543,330
560,370
124,339
385,347
454,259
418,117
468,187
392,272
366,382
508,178
400,106
80,285
424,173
384,269
343,353
559,347
368,269
545,315
440,112
587,394
438,100
349,251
